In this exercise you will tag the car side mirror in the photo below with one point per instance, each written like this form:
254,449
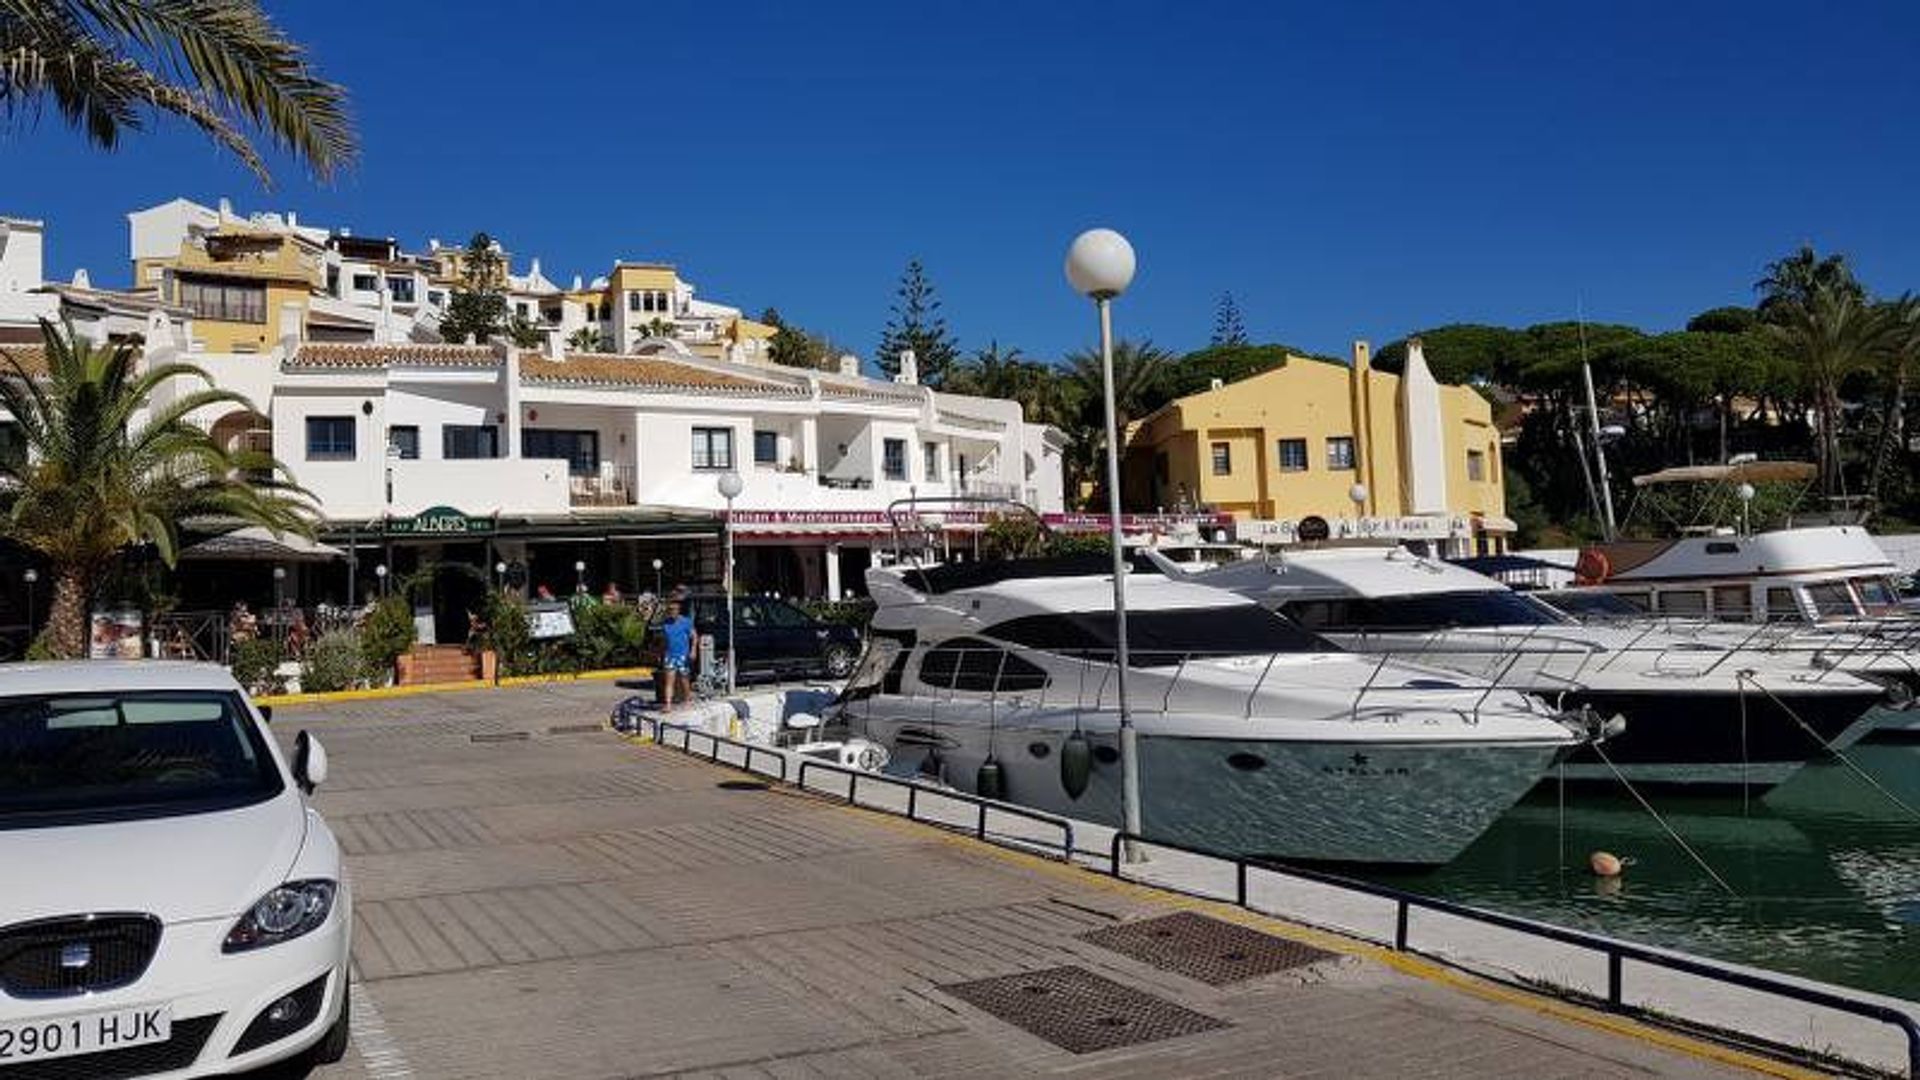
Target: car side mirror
266,713
309,762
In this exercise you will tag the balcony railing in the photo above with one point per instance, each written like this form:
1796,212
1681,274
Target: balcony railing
611,485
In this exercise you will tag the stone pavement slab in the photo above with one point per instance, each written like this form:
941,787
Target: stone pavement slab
572,905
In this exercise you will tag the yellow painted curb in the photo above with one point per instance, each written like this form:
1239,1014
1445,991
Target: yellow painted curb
380,692
1406,963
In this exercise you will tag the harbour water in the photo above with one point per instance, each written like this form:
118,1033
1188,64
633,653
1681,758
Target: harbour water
1824,871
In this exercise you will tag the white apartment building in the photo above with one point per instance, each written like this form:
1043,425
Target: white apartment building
559,469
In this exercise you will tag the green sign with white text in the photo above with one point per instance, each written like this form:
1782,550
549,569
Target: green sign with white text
440,521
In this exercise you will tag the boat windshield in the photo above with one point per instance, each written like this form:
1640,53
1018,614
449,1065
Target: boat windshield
1590,604
1877,594
1162,638
1832,600
96,756
1426,611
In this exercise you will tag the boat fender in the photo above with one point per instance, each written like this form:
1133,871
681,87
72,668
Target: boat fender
1076,764
991,781
1592,567
1605,864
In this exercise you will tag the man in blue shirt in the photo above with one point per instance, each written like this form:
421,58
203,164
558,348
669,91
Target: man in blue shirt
678,630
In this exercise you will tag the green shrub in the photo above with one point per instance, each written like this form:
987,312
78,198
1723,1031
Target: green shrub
855,613
254,662
509,633
333,661
387,634
607,635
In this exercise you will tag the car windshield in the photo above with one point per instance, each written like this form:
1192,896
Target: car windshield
1162,638
68,758
1425,611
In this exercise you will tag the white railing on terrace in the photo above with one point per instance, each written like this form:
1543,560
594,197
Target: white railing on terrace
610,485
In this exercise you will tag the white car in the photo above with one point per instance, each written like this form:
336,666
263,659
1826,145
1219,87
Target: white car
170,906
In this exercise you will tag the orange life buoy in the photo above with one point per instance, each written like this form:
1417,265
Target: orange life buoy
1591,568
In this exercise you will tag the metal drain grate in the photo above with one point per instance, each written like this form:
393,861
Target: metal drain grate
576,729
500,736
1079,1011
1203,948
742,785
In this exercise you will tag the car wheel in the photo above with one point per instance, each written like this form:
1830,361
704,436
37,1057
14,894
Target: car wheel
334,1046
839,661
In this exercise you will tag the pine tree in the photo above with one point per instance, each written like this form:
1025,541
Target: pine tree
918,325
478,307
1227,327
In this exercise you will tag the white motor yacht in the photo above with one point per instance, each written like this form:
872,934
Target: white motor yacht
1825,590
1254,736
1699,712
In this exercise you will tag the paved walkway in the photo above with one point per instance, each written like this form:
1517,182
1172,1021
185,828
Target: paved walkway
537,898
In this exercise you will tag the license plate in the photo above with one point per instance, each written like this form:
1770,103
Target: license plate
84,1033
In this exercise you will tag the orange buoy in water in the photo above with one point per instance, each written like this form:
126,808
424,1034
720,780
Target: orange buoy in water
1605,864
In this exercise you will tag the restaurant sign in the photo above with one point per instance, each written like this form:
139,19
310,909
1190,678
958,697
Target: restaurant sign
1314,527
440,521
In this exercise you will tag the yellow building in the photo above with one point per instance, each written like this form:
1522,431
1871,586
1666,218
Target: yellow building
1369,453
240,283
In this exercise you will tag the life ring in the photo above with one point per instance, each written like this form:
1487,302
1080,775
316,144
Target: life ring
1592,567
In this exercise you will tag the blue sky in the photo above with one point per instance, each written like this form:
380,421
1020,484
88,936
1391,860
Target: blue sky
1353,170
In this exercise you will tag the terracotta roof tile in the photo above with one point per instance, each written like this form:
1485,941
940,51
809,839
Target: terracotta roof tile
341,354
612,369
868,390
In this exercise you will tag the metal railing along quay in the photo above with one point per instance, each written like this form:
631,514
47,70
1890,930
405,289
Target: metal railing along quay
1615,952
982,810
1616,995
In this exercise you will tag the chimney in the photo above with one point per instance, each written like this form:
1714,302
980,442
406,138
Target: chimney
1216,383
293,220
226,209
81,280
556,349
849,364
909,373
293,319
346,230
576,283
433,244
534,269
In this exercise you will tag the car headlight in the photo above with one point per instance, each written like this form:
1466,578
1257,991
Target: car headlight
287,912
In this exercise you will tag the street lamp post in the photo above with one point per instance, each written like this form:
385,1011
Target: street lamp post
1100,265
380,571
579,575
500,575
31,577
730,486
1746,493
657,583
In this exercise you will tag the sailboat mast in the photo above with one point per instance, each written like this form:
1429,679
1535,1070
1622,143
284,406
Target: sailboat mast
1593,416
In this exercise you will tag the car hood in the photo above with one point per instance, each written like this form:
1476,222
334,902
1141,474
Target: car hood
180,868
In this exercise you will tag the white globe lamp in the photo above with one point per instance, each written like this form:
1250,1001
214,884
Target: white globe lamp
1100,264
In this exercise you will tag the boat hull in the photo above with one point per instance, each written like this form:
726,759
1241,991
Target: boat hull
1323,801
1707,742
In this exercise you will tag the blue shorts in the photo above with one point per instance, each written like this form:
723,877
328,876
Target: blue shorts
676,664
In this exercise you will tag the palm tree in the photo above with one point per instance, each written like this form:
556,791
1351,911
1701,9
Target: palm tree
1140,371
107,467
1830,333
1895,364
1792,282
106,65
586,339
